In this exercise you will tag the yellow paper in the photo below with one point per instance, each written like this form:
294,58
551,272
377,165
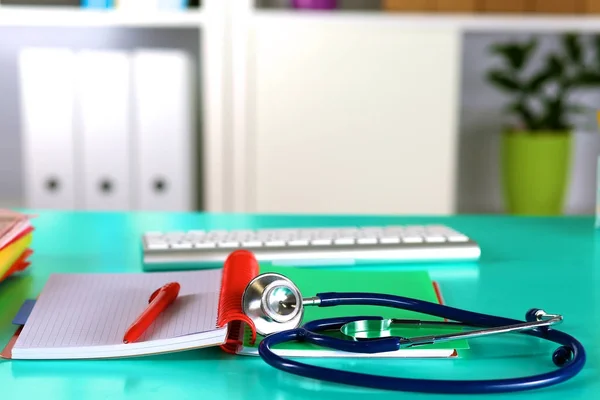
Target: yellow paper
12,252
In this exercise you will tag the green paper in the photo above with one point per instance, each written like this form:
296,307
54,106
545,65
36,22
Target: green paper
415,284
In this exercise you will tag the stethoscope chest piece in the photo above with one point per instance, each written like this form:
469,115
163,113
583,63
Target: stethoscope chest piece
273,303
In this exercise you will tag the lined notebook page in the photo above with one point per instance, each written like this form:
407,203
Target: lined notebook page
83,310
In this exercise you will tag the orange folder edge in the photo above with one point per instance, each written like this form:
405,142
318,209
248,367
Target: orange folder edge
11,253
7,352
18,265
438,293
19,236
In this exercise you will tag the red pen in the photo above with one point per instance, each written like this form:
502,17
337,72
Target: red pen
159,301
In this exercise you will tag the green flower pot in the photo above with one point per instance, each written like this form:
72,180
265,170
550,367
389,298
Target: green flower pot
535,171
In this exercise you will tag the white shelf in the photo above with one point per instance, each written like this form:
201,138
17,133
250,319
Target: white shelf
463,22
72,16
77,17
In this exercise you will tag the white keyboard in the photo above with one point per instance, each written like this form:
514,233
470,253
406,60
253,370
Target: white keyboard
410,243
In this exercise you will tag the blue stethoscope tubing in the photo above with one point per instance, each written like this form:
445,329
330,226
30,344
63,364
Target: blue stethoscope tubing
570,356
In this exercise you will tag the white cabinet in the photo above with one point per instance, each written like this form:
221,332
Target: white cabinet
347,116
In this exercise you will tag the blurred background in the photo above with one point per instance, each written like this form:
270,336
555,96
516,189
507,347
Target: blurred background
348,106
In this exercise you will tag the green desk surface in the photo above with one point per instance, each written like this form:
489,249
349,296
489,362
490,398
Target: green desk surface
526,262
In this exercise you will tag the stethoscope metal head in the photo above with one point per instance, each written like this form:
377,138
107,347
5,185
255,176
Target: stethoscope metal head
273,303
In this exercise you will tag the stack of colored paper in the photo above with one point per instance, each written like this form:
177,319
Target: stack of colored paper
16,234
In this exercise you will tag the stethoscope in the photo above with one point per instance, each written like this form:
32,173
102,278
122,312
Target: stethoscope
276,307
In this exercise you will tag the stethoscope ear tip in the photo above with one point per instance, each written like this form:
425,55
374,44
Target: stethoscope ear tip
562,356
538,315
533,315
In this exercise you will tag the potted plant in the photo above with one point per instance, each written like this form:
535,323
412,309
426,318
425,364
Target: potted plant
536,146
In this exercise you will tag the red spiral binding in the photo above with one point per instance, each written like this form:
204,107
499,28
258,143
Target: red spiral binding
239,269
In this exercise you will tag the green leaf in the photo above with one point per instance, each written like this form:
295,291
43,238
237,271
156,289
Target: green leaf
596,41
516,54
554,116
555,65
524,114
572,47
504,81
539,79
588,78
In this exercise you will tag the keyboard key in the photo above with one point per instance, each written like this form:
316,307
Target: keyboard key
233,237
394,228
408,237
308,234
181,245
415,230
253,243
348,233
205,245
435,239
457,238
174,237
367,240
229,245
275,243
371,231
299,242
157,245
264,236
390,240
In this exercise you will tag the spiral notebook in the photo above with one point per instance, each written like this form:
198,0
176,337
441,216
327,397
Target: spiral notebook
84,316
